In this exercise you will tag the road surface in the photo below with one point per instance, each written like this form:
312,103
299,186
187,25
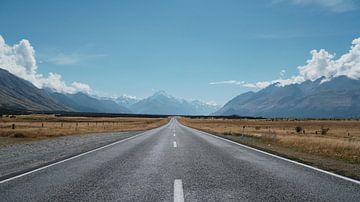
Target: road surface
177,163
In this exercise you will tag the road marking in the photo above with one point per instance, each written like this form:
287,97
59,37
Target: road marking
178,191
175,145
68,159
282,158
174,134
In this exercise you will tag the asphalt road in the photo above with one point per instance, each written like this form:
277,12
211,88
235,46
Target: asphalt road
176,163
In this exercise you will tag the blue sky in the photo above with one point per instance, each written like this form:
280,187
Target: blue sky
134,47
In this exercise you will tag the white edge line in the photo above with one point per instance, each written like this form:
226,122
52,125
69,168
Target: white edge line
68,159
79,155
282,158
178,191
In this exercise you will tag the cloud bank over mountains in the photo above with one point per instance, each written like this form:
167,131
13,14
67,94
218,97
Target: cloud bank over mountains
322,64
19,59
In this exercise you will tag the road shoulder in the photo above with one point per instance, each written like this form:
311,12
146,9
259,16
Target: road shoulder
17,158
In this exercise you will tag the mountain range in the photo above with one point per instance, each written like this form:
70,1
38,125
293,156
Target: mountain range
338,97
163,103
82,102
17,94
126,101
20,95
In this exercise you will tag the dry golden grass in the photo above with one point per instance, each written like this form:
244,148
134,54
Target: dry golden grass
41,126
341,141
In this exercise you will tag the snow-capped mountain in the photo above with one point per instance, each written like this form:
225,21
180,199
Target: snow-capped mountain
164,103
17,94
126,100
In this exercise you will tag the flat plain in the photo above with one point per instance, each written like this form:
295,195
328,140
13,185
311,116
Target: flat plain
22,128
333,145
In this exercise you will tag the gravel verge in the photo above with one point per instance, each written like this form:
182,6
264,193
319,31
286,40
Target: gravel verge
20,157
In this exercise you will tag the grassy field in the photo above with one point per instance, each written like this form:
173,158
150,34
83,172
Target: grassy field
330,144
44,126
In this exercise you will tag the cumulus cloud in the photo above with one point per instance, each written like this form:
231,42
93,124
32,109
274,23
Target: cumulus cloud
331,5
321,65
324,64
20,60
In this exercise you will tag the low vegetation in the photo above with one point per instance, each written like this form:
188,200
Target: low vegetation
331,144
43,126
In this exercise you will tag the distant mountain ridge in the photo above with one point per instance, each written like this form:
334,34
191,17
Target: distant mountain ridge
126,101
82,102
337,98
17,94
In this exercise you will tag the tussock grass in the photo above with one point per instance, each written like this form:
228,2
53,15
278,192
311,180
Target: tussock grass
41,126
340,141
339,148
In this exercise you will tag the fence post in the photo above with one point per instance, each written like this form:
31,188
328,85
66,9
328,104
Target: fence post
13,126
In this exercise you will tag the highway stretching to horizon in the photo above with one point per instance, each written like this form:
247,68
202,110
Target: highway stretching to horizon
177,163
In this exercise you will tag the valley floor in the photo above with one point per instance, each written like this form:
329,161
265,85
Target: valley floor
333,145
169,163
33,127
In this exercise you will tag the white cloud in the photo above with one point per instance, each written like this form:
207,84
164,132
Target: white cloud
332,5
324,64
71,58
20,60
321,64
261,84
63,59
235,82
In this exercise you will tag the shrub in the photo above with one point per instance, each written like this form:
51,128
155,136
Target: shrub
298,129
227,133
324,131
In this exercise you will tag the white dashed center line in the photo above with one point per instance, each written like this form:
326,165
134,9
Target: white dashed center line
175,145
178,191
174,134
